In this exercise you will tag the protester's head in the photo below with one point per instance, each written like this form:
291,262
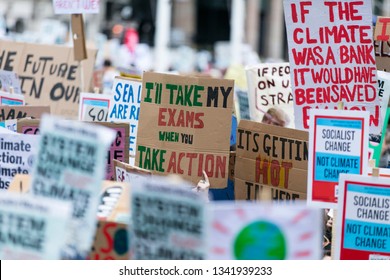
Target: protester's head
275,116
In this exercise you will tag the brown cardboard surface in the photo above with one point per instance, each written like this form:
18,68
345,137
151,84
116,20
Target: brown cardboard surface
19,112
48,74
79,49
168,116
270,156
382,29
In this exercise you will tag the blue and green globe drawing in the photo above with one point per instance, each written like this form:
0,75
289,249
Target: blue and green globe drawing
260,240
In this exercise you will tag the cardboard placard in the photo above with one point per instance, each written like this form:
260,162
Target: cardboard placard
11,99
382,29
247,231
17,152
382,55
332,58
94,107
76,6
8,80
48,74
269,87
159,206
338,142
28,126
19,112
70,167
32,228
184,127
128,173
363,228
270,157
125,106
111,242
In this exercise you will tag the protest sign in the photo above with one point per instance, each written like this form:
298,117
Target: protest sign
338,142
111,242
332,58
363,231
128,173
17,152
119,149
168,221
48,74
247,231
11,99
31,228
185,127
114,202
76,6
269,87
270,157
382,55
9,80
94,107
11,125
28,126
70,167
376,141
125,106
382,29
242,105
19,112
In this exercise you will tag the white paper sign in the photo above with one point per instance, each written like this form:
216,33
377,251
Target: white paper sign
94,107
76,6
9,79
32,228
70,166
338,143
168,221
17,153
266,231
125,106
11,99
332,58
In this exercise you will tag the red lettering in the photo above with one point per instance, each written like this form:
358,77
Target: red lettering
110,241
383,36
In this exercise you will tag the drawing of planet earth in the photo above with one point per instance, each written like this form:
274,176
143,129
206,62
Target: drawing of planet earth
260,240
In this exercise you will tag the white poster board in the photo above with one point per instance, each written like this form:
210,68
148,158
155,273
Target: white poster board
70,166
266,231
338,143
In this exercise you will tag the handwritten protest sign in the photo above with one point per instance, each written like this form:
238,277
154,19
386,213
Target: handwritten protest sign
48,74
332,58
19,112
76,6
270,157
8,80
94,107
382,55
125,106
382,29
338,142
242,105
184,127
69,167
111,242
363,230
17,152
32,229
11,99
247,231
168,221
128,173
269,87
